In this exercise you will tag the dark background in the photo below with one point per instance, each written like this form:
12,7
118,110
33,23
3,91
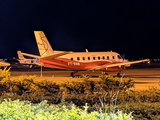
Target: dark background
124,26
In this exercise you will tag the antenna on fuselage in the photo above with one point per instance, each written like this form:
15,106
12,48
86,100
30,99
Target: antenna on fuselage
87,50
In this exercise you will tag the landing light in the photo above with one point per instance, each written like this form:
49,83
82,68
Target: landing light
148,62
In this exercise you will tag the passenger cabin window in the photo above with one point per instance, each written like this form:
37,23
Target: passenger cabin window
107,57
99,58
94,58
88,58
71,59
83,58
119,57
103,57
78,58
113,57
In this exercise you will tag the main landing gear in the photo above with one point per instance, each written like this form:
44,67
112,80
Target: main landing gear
119,74
73,74
105,73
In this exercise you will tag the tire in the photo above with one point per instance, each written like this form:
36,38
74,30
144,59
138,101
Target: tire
72,74
118,74
105,73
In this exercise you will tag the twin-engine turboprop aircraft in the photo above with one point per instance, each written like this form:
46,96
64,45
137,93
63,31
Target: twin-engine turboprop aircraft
78,61
28,62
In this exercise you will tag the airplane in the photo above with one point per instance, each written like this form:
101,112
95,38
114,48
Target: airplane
27,62
79,61
4,64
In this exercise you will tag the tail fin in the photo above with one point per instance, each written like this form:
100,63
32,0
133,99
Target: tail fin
20,56
44,46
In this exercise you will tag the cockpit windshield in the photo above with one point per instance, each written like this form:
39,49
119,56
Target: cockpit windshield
119,57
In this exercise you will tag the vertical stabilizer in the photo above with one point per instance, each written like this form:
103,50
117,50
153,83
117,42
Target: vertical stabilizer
20,56
44,46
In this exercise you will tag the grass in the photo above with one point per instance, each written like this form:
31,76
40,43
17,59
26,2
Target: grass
18,110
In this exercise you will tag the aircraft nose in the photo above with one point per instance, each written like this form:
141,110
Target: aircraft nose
125,60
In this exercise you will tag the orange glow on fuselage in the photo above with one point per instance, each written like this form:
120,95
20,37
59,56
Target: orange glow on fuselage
68,64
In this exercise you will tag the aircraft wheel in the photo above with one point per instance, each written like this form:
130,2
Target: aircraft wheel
105,73
118,74
72,74
31,66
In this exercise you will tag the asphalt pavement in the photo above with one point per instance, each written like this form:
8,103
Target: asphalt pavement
143,78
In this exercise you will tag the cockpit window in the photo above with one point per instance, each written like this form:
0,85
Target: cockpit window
119,57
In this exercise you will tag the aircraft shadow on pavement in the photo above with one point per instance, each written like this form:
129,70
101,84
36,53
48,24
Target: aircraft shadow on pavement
81,76
93,76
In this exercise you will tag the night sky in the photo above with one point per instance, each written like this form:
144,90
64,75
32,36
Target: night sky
127,27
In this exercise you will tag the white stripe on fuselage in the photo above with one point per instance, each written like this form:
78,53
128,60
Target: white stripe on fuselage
99,56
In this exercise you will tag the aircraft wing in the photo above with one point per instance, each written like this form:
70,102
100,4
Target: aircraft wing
46,57
118,64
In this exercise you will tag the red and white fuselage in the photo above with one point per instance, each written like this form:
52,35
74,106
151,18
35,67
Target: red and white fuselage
85,61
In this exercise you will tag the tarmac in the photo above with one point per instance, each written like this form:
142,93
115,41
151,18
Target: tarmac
143,78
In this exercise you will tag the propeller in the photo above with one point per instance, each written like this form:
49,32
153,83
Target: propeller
123,57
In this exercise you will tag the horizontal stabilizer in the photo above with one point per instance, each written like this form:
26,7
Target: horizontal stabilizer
46,57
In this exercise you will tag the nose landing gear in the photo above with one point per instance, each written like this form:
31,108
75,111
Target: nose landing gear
73,74
105,73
